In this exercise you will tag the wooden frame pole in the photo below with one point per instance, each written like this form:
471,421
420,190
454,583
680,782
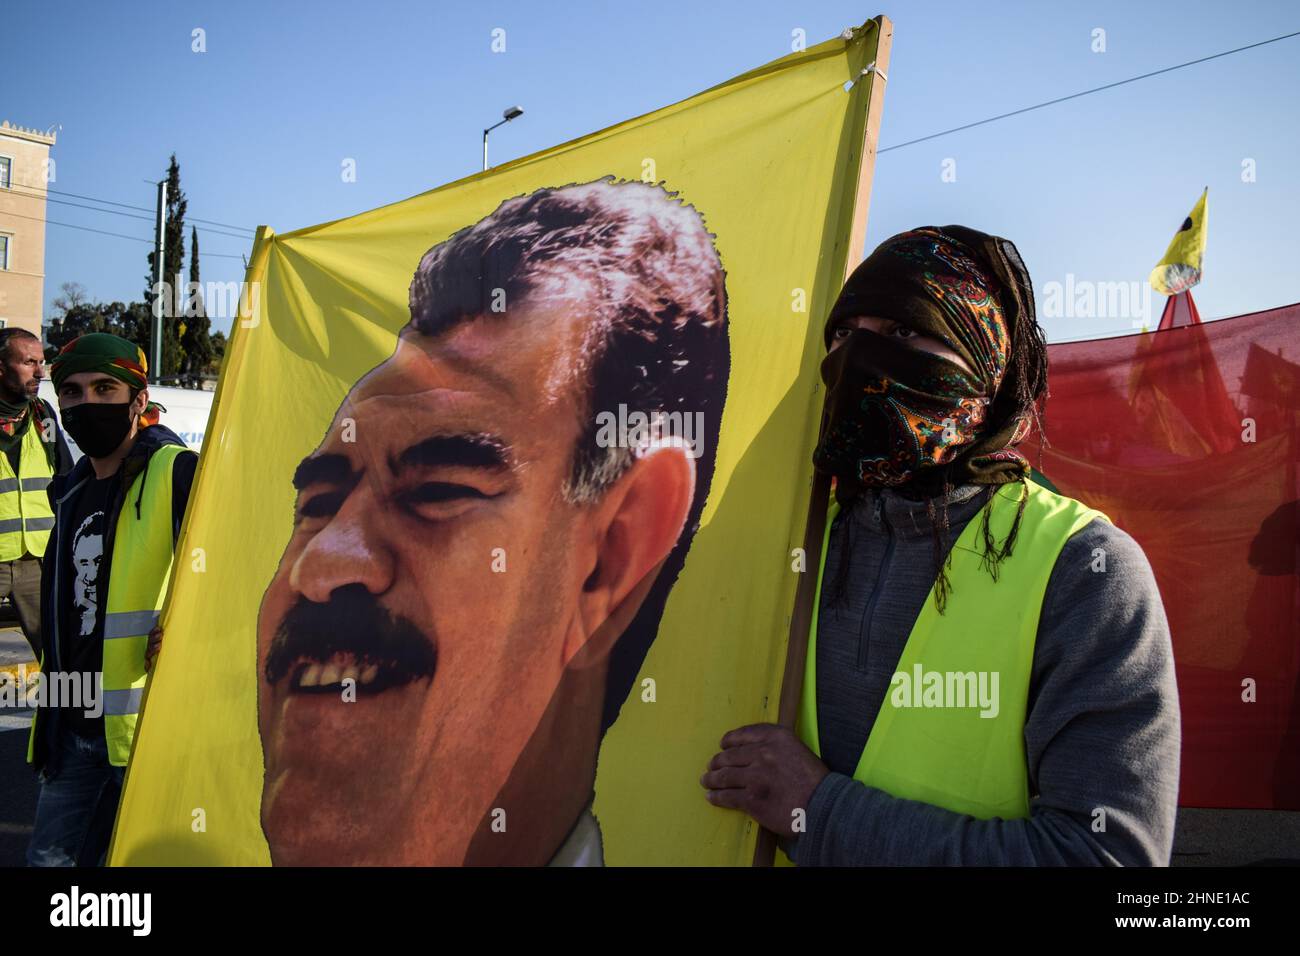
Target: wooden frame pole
815,528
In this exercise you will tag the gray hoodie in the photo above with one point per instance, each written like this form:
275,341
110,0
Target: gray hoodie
1102,731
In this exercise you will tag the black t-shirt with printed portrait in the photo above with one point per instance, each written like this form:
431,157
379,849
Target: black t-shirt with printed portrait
82,600
83,590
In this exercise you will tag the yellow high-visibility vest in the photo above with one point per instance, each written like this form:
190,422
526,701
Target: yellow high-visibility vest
25,513
925,744
137,584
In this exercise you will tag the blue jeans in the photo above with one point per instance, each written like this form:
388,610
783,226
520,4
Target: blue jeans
75,812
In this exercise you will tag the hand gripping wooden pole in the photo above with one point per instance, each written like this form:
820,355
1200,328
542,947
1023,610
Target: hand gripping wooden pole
805,594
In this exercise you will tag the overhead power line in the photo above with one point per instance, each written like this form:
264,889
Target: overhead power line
40,190
127,215
222,224
220,255
209,222
37,192
208,230
111,212
116,235
205,231
1097,89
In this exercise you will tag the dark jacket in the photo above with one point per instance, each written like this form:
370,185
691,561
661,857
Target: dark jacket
58,554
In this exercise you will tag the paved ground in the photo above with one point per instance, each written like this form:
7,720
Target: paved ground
1203,838
14,649
18,787
18,790
1237,838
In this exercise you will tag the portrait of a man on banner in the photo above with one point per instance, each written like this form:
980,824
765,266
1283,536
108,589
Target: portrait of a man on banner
484,539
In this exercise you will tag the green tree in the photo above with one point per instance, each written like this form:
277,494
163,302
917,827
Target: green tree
129,321
195,338
218,352
173,264
137,323
71,295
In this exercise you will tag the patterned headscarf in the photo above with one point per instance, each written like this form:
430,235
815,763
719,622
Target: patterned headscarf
110,354
971,292
928,282
896,415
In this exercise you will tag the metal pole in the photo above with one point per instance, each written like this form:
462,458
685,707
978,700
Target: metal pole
159,302
509,114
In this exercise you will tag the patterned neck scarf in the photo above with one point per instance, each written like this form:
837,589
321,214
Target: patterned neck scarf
14,416
900,417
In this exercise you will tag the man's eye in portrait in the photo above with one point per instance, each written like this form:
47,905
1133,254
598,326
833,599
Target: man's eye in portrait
439,500
320,505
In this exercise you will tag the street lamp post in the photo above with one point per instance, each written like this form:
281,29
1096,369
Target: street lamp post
509,114
159,281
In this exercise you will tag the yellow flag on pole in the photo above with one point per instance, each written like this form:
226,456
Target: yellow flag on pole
1180,269
497,527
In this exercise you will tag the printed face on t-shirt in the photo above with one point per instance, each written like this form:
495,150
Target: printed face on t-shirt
87,550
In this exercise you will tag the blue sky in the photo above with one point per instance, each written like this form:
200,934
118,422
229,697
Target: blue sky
262,121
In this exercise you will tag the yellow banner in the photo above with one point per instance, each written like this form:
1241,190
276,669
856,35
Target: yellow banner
502,479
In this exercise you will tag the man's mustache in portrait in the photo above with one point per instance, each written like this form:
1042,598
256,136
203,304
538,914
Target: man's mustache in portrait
318,645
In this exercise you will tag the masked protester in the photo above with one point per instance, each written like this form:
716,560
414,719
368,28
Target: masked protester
34,451
117,515
989,678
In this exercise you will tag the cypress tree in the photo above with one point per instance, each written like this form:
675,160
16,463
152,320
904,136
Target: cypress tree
173,263
195,338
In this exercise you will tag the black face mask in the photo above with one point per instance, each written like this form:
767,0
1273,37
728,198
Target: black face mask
893,411
98,428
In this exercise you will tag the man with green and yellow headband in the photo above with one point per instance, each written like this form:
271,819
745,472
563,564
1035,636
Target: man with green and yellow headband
117,515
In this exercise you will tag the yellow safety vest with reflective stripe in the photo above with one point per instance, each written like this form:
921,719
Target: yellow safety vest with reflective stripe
137,583
949,755
25,513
